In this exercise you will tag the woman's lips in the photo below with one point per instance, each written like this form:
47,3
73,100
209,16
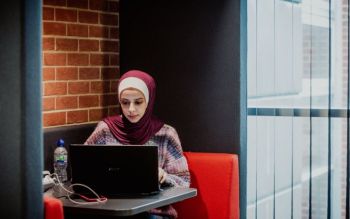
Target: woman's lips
132,117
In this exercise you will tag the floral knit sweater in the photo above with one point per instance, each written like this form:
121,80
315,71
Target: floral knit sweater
170,157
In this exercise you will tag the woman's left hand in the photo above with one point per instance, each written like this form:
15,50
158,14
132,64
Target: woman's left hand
162,175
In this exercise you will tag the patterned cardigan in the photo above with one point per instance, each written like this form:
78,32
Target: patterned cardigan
170,157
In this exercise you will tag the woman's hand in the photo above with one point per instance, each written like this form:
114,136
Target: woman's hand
162,175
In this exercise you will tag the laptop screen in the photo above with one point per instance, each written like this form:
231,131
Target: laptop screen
115,170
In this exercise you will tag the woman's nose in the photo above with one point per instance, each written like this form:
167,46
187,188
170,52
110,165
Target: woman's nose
131,107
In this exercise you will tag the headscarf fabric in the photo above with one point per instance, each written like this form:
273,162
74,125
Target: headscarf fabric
140,132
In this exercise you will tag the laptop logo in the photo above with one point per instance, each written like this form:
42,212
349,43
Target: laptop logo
113,170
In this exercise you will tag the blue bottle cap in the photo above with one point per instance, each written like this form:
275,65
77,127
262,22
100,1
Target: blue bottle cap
60,143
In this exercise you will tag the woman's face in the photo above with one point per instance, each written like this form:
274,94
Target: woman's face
133,104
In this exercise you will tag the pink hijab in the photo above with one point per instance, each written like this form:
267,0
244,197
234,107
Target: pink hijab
140,132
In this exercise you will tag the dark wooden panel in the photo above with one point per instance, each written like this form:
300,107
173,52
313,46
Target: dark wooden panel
192,48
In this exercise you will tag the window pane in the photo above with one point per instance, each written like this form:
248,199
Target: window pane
251,166
339,159
339,53
283,166
265,166
319,175
298,58
301,160
275,55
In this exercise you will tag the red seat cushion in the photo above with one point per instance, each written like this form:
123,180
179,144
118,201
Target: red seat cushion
215,175
53,208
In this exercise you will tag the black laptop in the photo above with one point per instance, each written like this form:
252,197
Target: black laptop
114,170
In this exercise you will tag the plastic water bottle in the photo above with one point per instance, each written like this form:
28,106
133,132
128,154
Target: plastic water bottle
61,161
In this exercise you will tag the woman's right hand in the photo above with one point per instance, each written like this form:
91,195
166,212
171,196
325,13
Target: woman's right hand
162,175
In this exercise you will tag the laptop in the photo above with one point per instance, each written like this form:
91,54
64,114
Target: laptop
114,170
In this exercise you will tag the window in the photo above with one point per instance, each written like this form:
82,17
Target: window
298,85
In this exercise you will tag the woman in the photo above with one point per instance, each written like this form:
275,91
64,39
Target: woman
138,125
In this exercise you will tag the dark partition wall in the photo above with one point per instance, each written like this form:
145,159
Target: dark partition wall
193,49
20,110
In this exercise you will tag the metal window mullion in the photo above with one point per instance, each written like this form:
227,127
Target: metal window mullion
298,112
310,120
274,111
347,214
256,123
292,164
329,195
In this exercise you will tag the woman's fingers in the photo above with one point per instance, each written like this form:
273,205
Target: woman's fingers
162,175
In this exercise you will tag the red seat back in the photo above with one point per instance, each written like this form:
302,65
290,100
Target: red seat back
215,175
53,208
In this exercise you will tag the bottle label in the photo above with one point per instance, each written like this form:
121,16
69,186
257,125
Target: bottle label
61,158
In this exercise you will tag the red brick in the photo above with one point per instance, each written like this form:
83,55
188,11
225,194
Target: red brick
89,73
114,33
109,100
109,46
48,43
113,6
66,102
99,59
114,60
55,2
78,59
97,114
48,13
88,101
66,44
77,3
78,87
67,73
100,87
109,19
48,103
88,17
78,116
54,119
54,59
55,88
48,74
77,30
109,73
66,15
89,45
100,5
114,86
54,28
98,31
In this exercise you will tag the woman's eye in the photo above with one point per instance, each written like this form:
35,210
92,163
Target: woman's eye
139,102
124,102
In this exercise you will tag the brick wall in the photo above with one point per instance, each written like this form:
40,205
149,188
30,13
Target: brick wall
80,60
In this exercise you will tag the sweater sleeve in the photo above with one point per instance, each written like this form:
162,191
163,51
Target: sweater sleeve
98,136
175,164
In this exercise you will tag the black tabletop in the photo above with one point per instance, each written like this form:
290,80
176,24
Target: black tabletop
130,206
